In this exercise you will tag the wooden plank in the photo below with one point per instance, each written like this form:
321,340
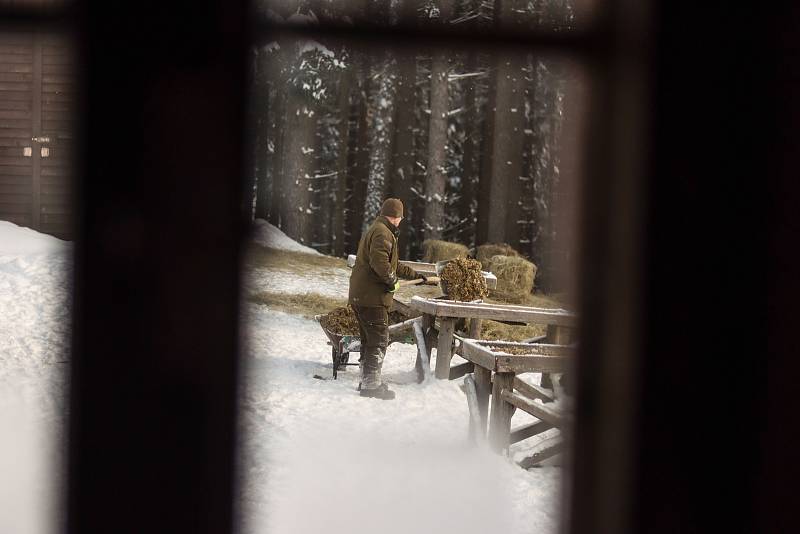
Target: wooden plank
478,355
14,189
15,86
15,170
457,371
14,160
442,308
15,208
23,199
532,391
23,59
533,364
15,123
15,77
444,348
15,67
15,114
19,105
15,179
502,410
528,431
542,455
556,418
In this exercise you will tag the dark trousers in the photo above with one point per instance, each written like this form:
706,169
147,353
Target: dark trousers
373,325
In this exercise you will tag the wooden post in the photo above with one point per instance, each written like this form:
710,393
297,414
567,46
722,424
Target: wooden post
477,434
475,328
423,365
444,349
556,335
502,410
483,387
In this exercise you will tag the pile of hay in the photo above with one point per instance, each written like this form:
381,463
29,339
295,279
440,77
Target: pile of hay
462,280
341,321
436,250
514,277
485,252
493,330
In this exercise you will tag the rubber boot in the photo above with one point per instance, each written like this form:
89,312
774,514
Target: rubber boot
381,392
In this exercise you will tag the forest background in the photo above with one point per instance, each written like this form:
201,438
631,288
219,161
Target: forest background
480,145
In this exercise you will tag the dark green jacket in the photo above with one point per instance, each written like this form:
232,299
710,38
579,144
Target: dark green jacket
376,269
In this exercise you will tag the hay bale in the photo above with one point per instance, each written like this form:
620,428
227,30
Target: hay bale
462,280
514,277
485,252
436,250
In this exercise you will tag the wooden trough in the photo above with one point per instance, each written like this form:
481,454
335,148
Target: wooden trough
449,311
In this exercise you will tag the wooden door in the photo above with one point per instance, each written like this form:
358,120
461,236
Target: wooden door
37,97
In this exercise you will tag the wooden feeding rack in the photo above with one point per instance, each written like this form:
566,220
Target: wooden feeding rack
559,322
495,372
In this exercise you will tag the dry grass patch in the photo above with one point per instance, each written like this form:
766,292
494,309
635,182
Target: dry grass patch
258,257
306,305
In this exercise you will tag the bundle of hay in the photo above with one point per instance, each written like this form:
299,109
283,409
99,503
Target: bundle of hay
485,252
462,280
341,321
514,277
436,250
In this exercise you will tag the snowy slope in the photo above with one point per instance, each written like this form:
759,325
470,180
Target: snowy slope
269,236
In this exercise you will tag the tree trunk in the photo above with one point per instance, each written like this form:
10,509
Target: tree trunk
278,193
437,148
358,175
469,178
507,141
299,148
263,117
343,128
436,177
382,104
403,171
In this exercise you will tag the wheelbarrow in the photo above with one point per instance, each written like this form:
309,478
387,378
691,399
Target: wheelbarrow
341,347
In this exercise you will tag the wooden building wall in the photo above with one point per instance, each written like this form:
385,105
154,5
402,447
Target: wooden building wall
37,102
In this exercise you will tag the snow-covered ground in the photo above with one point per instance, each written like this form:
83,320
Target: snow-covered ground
319,458
316,457
34,325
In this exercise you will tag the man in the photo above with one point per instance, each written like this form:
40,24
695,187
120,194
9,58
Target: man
372,285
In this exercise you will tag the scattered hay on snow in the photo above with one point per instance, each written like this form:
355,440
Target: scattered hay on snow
462,280
515,277
485,252
436,250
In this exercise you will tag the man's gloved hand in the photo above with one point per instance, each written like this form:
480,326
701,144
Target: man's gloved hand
422,277
395,287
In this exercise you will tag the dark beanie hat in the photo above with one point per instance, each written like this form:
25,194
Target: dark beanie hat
392,207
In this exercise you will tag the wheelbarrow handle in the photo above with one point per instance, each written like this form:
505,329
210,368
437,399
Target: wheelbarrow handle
431,280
